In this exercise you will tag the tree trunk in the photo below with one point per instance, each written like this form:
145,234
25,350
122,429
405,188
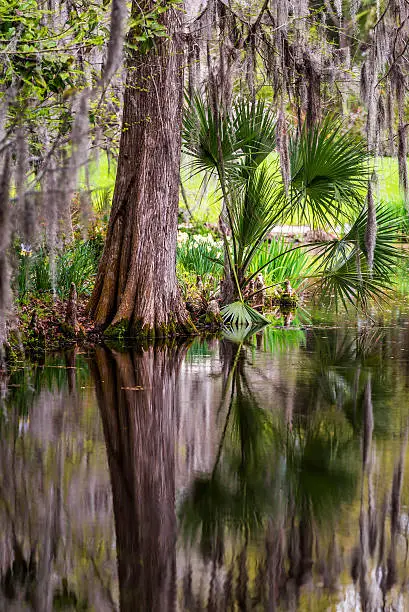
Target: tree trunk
136,290
136,397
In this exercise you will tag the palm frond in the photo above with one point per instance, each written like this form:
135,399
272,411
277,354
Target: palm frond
247,135
386,254
254,125
241,314
255,205
343,264
388,233
349,286
200,133
329,173
102,199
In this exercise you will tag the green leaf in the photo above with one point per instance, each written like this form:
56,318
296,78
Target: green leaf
343,265
329,174
240,313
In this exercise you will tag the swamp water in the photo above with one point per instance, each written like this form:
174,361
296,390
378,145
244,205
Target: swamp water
270,474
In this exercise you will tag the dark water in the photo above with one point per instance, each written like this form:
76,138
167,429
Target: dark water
270,474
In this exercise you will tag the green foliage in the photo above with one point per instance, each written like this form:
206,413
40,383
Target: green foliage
22,279
201,255
241,314
44,51
235,146
146,26
329,174
40,273
41,60
329,170
280,261
76,264
244,137
101,200
344,273
398,207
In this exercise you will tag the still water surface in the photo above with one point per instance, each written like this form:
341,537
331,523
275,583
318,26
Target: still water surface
270,474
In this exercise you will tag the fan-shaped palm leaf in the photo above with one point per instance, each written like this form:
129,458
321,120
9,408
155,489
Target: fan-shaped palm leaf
202,129
246,133
241,314
386,254
255,206
254,126
329,172
346,277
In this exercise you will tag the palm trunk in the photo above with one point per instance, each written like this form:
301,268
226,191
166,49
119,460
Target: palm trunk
136,289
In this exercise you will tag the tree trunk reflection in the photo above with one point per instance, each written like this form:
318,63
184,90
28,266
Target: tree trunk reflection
136,392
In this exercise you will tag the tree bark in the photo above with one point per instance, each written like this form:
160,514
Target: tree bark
136,290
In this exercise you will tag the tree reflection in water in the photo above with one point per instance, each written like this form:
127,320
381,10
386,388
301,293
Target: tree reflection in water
253,473
47,561
136,397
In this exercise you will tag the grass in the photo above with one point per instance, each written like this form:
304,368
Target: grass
201,255
76,265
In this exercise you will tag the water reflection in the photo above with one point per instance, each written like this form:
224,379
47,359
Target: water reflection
136,397
265,472
55,501
277,478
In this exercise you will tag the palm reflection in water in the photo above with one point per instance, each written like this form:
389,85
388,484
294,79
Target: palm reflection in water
264,525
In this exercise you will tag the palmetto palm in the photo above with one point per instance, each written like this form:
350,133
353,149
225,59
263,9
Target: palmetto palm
329,170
